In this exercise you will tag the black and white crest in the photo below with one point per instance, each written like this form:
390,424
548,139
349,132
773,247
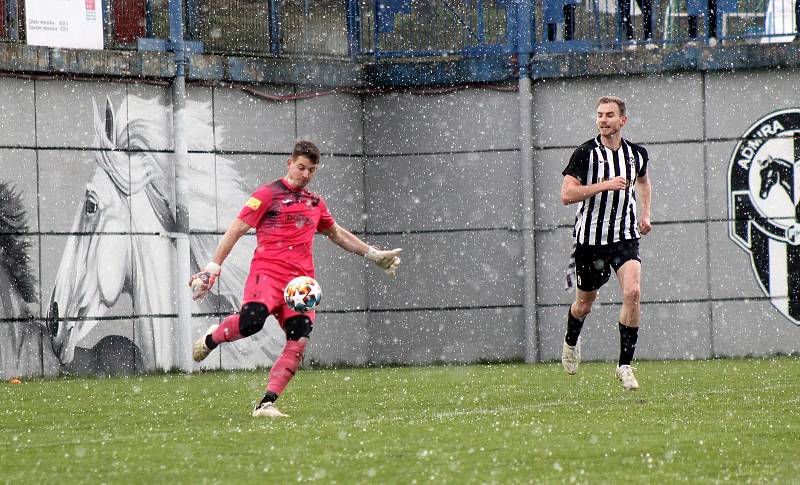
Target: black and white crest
764,206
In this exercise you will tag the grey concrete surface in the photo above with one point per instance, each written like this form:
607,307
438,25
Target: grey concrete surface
420,337
444,191
340,274
660,108
450,270
735,101
243,122
407,123
66,110
333,122
752,328
18,113
339,338
718,160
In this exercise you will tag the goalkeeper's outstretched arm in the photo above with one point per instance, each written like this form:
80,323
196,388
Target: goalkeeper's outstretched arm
389,261
235,231
202,282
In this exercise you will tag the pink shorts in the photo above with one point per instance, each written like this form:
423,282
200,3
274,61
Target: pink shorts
268,290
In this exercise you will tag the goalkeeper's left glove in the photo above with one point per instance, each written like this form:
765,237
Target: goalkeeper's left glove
202,282
389,261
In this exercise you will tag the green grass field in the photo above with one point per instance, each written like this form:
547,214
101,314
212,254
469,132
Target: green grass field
720,421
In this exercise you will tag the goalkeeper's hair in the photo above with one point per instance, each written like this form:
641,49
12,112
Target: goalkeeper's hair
305,148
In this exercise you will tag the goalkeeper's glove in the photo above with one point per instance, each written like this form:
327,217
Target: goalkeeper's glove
389,261
202,282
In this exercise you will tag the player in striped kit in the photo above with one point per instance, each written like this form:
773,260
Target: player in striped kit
606,176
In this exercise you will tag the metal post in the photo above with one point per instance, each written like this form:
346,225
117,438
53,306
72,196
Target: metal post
524,50
148,19
354,28
182,337
108,25
512,30
481,27
274,28
12,27
192,13
376,31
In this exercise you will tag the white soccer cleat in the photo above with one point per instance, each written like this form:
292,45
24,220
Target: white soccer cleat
571,357
625,374
199,349
268,410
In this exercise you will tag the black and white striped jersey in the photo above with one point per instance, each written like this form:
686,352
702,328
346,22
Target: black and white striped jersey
609,216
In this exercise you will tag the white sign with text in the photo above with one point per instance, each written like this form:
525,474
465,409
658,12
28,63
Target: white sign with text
65,23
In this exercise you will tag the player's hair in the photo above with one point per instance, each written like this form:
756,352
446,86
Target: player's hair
305,148
613,99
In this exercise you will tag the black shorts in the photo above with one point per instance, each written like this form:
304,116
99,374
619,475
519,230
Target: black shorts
593,264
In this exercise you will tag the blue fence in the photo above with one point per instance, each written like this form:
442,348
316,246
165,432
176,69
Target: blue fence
424,28
615,24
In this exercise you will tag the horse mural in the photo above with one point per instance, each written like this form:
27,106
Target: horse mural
21,349
779,172
127,195
776,171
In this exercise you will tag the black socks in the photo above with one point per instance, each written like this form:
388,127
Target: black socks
628,336
269,396
573,329
210,342
627,343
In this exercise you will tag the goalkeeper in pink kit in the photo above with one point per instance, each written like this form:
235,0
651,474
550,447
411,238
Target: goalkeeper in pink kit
286,217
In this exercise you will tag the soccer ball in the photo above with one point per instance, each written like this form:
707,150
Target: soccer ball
302,294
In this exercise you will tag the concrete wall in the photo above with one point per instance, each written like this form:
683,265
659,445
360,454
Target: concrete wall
442,182
435,174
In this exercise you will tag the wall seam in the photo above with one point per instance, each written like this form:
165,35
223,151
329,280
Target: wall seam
370,354
703,87
42,312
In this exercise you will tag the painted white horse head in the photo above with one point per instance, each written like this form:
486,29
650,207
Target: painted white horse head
116,248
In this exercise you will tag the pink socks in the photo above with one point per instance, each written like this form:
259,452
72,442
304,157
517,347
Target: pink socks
287,364
228,330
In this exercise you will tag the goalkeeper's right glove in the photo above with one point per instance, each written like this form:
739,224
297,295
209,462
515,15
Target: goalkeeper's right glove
389,261
202,282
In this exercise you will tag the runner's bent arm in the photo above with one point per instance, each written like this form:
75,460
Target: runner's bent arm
572,190
644,191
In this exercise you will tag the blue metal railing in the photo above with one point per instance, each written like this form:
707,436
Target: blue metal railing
9,20
409,28
424,28
603,25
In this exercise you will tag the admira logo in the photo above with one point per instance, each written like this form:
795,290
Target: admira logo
764,206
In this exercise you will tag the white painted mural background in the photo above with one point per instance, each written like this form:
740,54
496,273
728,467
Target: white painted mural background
112,252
